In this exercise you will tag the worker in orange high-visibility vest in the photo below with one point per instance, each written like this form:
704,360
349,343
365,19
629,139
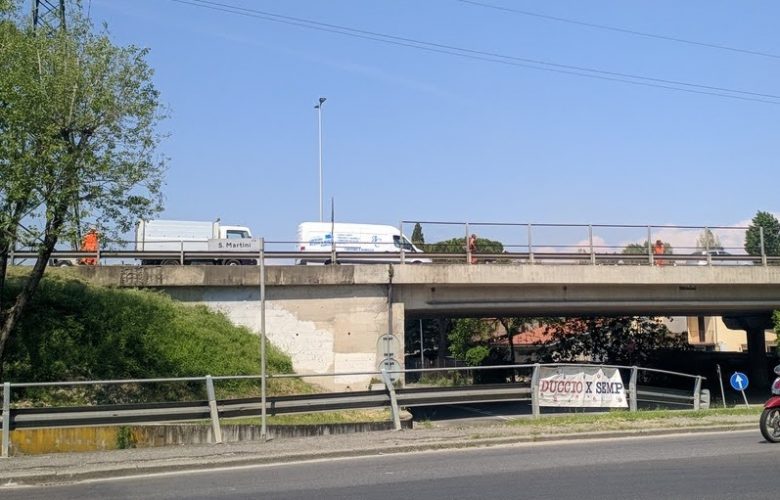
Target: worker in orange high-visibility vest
90,243
473,248
659,249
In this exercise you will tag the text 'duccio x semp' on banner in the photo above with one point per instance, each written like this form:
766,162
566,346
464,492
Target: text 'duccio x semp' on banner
581,387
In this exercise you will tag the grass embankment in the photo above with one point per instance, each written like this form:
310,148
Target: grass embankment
335,417
74,330
623,419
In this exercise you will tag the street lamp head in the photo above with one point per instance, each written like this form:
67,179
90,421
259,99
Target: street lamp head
322,99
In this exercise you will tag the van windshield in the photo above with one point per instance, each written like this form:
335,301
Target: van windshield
406,243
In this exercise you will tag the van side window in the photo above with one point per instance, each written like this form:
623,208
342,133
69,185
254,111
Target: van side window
397,242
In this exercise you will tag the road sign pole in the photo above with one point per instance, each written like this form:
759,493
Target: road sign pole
720,380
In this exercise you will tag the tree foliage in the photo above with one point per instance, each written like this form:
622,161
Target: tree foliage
771,230
708,240
469,339
625,340
78,331
418,239
458,246
78,129
644,248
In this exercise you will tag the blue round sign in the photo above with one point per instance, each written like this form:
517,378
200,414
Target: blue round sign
739,381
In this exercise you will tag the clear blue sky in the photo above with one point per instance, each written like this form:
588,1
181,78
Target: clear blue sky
416,135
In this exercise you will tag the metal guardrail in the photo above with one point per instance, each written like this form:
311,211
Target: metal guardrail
523,244
390,397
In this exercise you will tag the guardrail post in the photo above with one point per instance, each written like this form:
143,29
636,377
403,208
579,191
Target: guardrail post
535,392
697,393
181,252
650,245
590,243
468,247
632,389
763,249
6,419
393,400
332,246
401,240
530,246
213,410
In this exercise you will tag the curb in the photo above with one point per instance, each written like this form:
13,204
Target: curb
216,461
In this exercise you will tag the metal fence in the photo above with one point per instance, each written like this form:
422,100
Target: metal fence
526,243
522,384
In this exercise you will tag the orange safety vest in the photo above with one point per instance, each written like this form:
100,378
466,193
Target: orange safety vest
89,244
659,250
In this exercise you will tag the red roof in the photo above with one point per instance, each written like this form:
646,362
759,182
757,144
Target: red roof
535,335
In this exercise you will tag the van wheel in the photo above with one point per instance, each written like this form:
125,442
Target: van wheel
170,262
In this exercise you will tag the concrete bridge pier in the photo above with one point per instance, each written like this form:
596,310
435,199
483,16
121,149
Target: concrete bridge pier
754,326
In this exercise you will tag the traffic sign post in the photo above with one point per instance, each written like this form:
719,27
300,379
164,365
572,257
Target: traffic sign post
739,382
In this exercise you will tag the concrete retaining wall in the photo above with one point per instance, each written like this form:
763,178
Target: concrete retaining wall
79,439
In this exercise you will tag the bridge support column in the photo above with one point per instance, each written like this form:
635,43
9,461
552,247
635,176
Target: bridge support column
755,327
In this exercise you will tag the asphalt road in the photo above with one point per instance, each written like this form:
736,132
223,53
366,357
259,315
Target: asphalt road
737,464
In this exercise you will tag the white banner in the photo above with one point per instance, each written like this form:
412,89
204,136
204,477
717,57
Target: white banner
581,386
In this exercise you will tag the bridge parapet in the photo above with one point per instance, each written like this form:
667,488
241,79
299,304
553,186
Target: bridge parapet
436,274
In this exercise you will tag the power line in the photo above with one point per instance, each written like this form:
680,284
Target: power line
488,56
619,30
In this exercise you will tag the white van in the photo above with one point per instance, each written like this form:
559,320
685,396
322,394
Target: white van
368,238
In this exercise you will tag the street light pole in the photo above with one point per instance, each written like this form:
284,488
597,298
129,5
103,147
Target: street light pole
318,107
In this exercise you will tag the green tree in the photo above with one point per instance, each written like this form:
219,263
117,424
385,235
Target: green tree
418,239
771,230
78,121
643,248
625,340
636,249
458,246
708,240
469,339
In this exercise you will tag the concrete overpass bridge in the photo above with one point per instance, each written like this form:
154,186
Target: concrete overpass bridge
345,318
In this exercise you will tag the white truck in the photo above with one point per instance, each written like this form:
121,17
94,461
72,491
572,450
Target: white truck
192,236
384,242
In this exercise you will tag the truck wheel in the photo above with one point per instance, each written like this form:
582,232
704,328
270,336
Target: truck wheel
232,262
170,262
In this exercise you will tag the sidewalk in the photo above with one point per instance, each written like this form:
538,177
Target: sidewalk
69,467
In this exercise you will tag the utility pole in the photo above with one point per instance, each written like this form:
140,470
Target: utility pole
48,14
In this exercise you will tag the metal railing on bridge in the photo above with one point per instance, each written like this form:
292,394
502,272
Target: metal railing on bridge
497,243
520,383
